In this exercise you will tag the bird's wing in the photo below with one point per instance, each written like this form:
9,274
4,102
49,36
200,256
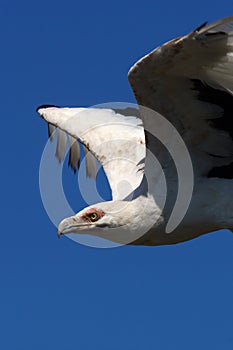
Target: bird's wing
115,138
189,81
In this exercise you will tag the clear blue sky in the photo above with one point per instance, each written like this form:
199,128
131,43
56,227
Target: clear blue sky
57,294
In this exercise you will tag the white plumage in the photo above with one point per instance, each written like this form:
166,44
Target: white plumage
189,81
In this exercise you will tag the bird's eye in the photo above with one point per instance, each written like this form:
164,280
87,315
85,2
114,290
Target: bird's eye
93,217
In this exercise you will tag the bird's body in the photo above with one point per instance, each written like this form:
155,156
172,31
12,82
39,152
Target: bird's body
189,82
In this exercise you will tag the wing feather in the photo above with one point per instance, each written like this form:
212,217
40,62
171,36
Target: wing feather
115,140
51,131
61,145
189,81
91,168
74,154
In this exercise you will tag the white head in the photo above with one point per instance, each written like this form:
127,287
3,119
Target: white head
118,221
107,220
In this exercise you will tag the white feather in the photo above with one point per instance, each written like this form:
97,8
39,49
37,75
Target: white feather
117,141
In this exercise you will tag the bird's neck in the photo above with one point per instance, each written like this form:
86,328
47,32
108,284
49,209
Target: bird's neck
143,213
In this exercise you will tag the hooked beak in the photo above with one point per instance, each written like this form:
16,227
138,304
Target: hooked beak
59,233
66,226
70,225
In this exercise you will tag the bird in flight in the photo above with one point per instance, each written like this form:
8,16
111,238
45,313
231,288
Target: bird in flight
169,162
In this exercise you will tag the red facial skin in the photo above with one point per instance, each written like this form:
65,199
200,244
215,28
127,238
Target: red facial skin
88,213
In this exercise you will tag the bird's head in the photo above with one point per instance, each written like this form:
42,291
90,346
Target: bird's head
114,220
110,214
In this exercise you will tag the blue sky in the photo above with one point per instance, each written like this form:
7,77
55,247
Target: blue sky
57,294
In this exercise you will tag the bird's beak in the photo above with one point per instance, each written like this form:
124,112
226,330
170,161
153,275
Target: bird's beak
66,226
59,233
71,225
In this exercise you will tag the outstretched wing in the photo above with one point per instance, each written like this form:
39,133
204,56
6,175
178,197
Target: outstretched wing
189,81
117,141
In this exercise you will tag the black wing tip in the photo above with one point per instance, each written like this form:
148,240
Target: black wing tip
46,106
72,166
215,33
200,27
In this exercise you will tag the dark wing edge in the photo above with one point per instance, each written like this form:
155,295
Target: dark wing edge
189,81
